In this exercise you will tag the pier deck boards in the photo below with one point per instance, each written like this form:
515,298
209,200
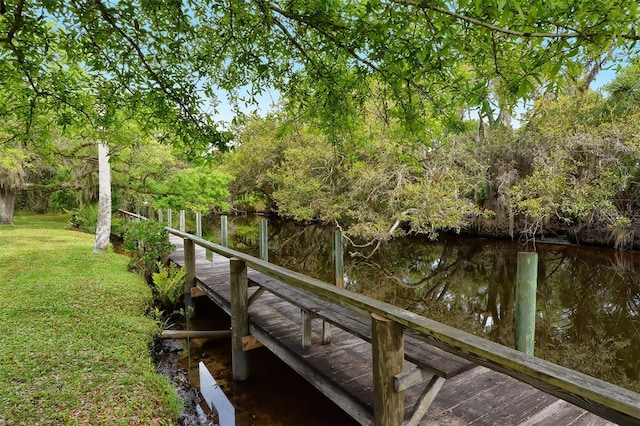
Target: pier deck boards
471,395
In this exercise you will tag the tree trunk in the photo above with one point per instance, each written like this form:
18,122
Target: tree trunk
7,204
103,230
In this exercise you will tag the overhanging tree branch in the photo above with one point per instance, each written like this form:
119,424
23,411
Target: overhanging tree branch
495,28
155,76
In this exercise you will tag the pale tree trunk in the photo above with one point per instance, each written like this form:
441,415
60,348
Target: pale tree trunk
103,230
7,204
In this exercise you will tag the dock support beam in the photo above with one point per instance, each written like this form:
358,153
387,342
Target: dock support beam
190,275
199,224
526,286
388,360
239,318
264,240
183,221
223,231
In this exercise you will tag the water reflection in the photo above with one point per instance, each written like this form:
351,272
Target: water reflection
588,299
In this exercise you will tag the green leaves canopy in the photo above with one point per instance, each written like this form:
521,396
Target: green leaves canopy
431,58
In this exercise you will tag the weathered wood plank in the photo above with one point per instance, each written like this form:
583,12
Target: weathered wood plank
250,343
359,323
196,292
407,379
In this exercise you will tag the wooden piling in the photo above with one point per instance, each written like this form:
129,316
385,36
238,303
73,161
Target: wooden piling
388,360
526,285
190,275
223,231
199,224
338,259
264,242
183,225
239,318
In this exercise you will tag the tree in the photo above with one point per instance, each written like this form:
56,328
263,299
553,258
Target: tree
103,230
11,177
322,54
418,58
624,90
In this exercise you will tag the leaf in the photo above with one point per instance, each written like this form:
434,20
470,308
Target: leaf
555,69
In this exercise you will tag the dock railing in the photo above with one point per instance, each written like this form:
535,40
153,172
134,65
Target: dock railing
390,323
604,399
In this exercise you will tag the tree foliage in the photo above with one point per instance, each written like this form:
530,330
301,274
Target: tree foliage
324,55
571,168
419,65
372,182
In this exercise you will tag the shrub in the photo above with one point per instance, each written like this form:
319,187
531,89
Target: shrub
84,219
64,199
119,226
168,285
147,242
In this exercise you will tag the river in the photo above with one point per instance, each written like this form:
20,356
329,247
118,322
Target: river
588,299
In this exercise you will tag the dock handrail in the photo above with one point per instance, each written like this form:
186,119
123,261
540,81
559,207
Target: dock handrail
604,399
133,215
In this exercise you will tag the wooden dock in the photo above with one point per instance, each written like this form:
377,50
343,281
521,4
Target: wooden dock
443,377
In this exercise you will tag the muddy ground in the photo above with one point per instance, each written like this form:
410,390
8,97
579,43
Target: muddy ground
168,364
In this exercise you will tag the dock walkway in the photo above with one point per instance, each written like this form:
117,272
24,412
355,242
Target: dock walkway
440,388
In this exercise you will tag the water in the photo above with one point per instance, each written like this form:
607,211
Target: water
273,395
215,397
588,299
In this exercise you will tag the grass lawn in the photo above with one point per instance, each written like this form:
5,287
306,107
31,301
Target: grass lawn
74,340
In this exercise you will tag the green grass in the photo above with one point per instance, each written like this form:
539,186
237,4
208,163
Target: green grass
74,341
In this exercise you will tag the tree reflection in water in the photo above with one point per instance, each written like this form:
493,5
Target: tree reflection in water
588,299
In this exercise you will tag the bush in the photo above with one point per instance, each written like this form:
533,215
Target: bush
147,242
64,199
168,285
119,227
84,219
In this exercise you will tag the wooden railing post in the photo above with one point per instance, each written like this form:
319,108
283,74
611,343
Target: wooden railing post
526,286
306,318
239,318
160,218
190,275
169,218
388,360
